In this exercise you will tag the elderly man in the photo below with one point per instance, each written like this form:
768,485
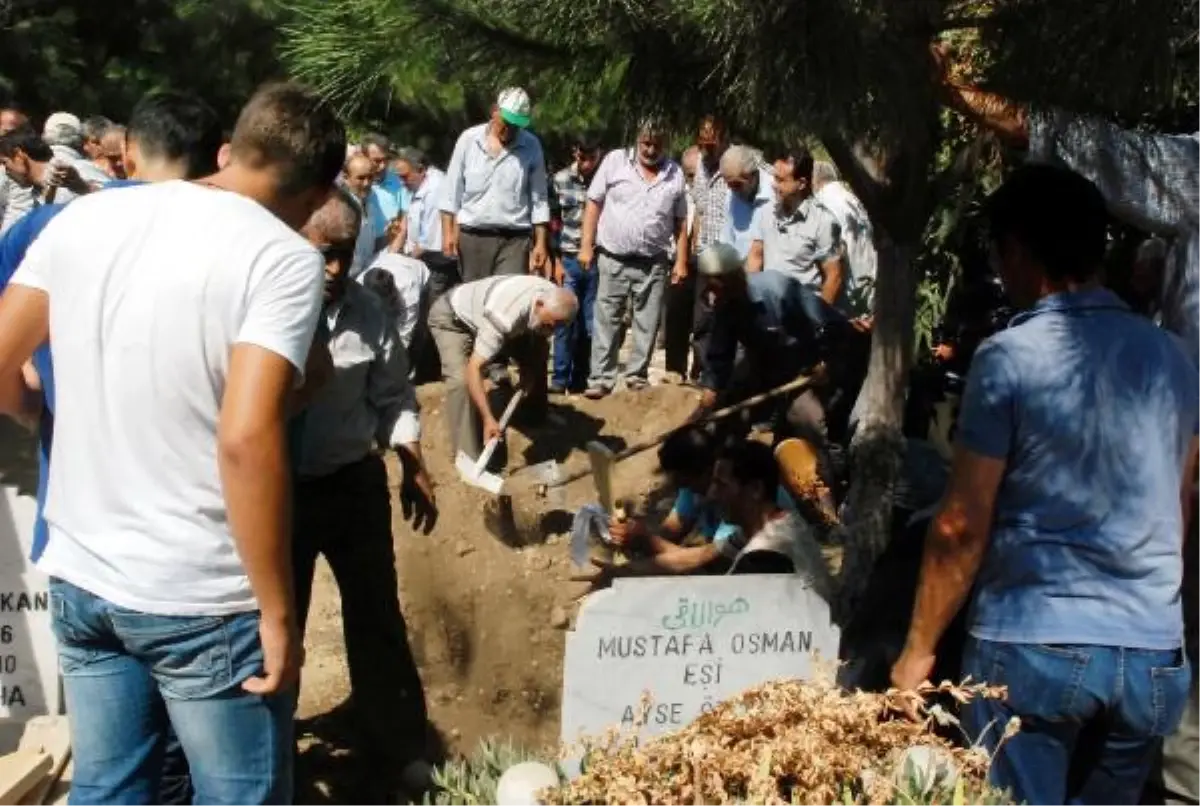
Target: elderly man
472,325
423,222
680,303
496,193
1067,528
63,132
389,197
357,177
93,131
750,198
636,213
855,226
15,199
710,202
109,159
1151,181
801,238
573,342
342,499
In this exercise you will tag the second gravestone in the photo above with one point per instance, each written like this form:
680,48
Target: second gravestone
687,644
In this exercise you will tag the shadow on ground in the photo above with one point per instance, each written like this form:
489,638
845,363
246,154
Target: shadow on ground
333,766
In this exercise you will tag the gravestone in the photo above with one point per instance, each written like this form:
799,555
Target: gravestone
29,684
686,644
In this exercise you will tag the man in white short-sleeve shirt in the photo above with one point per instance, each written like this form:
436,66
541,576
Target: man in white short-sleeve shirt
176,347
472,324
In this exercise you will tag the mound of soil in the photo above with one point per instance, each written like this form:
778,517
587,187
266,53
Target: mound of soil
486,614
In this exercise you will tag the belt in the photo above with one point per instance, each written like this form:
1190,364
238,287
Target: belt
646,259
497,232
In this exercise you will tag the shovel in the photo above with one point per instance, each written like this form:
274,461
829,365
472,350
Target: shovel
474,471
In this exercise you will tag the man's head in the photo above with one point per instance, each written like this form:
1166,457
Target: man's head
722,274
710,138
358,175
557,306
378,150
333,229
287,149
1146,275
94,129
12,117
793,177
510,113
651,139
410,165
745,479
63,129
24,155
690,162
111,156
823,173
739,169
1048,231
687,458
587,154
172,135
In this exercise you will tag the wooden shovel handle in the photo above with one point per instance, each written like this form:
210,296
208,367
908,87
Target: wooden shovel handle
793,385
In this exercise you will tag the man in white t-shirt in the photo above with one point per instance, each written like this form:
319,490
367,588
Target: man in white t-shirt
180,315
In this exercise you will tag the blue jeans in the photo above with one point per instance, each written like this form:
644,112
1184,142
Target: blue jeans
573,342
1092,717
128,675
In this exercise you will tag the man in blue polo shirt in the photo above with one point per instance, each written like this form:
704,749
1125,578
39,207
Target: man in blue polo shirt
1075,444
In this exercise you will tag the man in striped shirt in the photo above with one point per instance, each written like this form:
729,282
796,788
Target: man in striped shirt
636,213
472,325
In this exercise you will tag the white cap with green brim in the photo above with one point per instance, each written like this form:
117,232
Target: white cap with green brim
513,104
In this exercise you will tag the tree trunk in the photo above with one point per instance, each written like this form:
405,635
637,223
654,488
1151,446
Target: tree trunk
876,448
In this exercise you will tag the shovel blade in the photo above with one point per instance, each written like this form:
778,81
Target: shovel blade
468,472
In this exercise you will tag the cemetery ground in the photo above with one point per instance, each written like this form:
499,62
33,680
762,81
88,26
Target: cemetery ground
487,620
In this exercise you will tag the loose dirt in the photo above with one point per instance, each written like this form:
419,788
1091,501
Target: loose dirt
486,617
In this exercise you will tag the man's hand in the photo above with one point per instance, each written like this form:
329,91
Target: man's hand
560,272
417,501
943,352
679,273
598,579
491,429
586,255
624,532
283,655
912,669
537,259
708,401
863,324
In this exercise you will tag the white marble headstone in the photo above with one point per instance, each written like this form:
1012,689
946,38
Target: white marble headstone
688,643
29,684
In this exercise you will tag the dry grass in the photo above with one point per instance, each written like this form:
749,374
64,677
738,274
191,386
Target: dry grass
794,742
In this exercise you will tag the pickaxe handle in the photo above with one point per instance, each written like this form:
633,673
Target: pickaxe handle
793,385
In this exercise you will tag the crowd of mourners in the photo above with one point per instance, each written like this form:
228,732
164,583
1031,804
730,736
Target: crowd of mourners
216,335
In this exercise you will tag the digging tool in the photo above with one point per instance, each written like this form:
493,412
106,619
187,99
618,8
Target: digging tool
474,471
640,447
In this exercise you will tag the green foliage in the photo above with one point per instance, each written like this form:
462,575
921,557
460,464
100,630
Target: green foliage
99,58
473,780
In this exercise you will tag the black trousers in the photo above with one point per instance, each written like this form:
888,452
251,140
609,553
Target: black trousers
702,315
678,312
347,517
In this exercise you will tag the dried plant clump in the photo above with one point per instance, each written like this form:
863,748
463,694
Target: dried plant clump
792,742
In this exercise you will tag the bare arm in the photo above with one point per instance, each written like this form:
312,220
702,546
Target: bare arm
24,324
954,550
587,238
754,260
473,378
253,461
833,277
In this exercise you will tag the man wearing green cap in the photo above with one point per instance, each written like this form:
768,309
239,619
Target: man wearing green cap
494,204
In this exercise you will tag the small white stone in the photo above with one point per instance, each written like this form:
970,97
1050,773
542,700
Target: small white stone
520,783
